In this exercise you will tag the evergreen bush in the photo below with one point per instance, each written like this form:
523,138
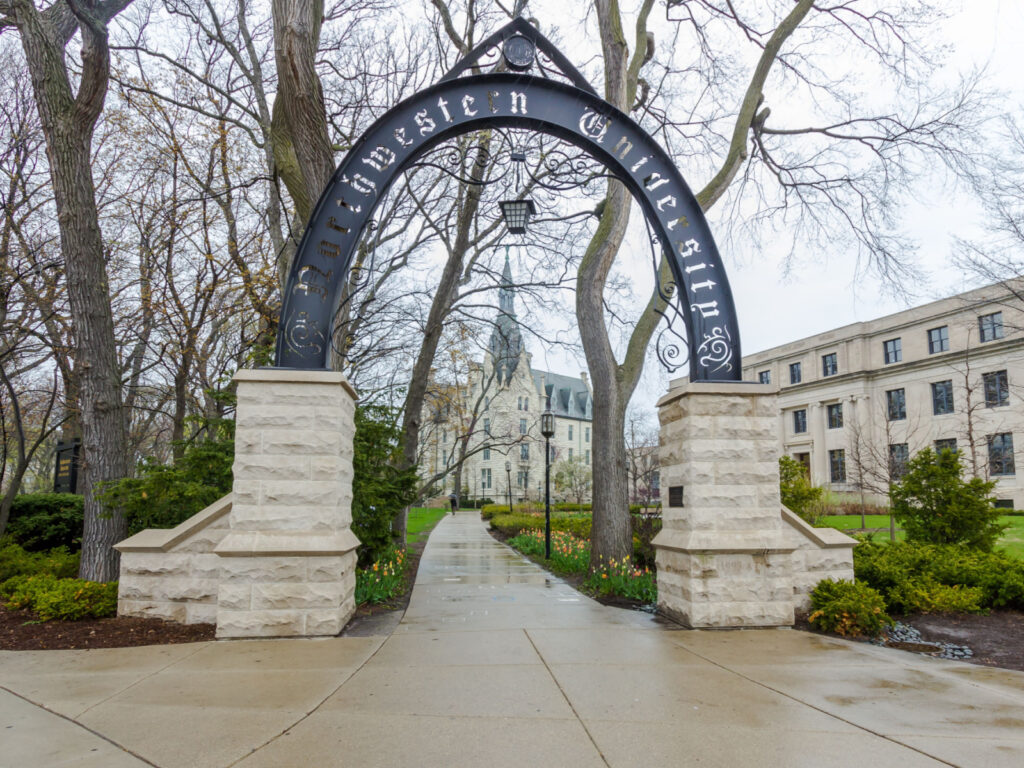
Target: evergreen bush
935,505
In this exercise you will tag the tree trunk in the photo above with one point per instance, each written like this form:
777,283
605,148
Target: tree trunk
67,121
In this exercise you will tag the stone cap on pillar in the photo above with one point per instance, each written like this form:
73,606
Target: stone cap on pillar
723,542
294,376
680,387
286,544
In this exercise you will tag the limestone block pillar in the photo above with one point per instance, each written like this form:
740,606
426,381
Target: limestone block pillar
723,557
288,560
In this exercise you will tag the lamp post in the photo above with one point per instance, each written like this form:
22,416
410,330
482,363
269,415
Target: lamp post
508,476
547,428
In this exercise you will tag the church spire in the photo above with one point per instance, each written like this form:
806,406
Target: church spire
506,341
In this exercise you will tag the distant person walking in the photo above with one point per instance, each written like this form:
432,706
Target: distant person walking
454,499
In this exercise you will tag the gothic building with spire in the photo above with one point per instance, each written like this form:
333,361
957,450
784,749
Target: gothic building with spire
481,435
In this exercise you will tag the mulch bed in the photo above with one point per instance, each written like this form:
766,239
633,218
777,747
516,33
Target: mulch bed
996,638
22,630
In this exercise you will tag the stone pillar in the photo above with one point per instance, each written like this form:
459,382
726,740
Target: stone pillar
723,558
288,560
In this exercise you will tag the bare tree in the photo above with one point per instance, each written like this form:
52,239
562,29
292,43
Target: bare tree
68,117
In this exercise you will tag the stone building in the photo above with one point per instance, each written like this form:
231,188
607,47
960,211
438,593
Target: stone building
492,416
856,402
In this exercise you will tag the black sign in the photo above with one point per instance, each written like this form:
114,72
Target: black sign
675,495
65,476
459,105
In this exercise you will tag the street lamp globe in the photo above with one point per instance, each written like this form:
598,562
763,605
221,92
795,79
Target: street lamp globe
547,422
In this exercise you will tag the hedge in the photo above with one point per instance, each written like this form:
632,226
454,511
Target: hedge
914,577
44,521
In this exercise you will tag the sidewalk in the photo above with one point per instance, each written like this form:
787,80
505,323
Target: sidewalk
496,663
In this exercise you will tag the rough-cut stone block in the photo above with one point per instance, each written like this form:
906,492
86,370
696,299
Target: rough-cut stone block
261,467
260,624
299,493
332,568
235,596
325,622
324,594
288,442
263,569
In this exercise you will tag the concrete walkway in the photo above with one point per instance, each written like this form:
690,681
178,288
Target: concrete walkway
498,664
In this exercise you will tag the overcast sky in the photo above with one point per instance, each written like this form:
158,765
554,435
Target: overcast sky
823,292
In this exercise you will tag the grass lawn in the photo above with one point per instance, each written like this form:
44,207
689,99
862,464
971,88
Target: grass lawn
1013,538
1012,541
421,522
850,522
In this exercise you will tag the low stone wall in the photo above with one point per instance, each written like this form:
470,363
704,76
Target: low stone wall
821,553
174,573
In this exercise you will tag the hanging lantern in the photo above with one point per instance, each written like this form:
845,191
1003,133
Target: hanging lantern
517,214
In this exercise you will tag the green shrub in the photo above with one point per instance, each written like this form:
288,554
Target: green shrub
926,595
163,495
45,521
16,561
848,608
66,599
935,505
488,511
649,509
572,506
902,570
795,488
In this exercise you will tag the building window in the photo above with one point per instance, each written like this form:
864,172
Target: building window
997,389
800,421
834,414
524,452
570,454
1000,454
588,457
487,427
896,404
945,444
938,340
485,478
519,404
570,431
893,351
794,373
837,466
899,453
1003,503
829,365
586,434
526,403
522,426
487,403
990,327
444,435
765,377
487,454
942,397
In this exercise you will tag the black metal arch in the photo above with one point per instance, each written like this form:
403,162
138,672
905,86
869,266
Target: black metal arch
456,106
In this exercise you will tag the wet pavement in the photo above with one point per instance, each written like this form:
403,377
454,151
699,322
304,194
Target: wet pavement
497,663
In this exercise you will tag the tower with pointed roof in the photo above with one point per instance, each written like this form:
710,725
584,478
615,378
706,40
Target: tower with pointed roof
506,345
